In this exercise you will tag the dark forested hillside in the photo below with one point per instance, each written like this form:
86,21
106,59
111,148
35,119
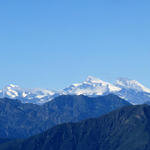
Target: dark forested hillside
19,120
125,129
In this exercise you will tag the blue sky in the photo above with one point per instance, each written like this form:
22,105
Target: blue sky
53,43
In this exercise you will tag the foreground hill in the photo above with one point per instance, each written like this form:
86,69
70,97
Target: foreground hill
125,129
19,120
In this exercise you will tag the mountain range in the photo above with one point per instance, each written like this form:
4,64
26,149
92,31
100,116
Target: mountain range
18,120
127,128
130,90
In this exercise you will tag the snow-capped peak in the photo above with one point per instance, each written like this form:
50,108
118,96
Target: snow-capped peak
91,79
10,91
91,86
131,84
12,86
26,95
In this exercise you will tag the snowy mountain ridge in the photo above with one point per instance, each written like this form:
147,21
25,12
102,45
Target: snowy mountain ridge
130,90
131,84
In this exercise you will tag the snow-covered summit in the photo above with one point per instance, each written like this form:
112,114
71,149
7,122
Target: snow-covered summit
26,95
11,91
131,84
91,79
130,90
91,86
12,85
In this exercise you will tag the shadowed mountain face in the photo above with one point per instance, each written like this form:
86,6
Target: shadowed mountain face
124,129
19,120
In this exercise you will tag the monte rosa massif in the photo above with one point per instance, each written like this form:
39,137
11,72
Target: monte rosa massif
130,90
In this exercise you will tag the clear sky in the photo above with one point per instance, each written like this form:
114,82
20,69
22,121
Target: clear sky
53,43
